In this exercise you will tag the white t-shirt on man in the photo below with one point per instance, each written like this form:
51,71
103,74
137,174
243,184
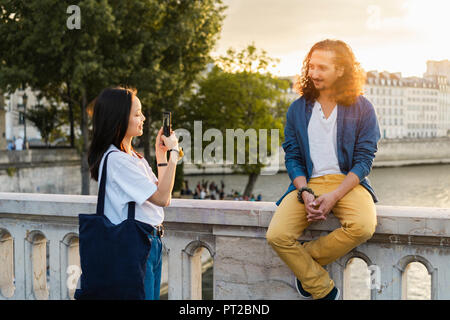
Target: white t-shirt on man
322,142
129,179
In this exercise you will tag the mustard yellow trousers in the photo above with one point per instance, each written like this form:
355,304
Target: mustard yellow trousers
357,215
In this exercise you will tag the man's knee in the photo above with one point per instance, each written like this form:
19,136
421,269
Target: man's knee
272,236
276,237
362,232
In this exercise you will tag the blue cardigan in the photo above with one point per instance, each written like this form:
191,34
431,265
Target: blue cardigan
357,136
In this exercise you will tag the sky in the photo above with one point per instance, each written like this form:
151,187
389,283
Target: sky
385,35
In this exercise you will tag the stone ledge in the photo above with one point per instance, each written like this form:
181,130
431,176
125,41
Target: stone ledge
234,215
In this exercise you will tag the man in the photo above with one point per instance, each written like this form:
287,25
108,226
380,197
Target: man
19,143
331,137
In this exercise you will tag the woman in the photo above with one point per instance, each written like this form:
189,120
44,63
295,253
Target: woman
117,118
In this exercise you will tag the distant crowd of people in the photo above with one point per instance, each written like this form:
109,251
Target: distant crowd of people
213,191
239,197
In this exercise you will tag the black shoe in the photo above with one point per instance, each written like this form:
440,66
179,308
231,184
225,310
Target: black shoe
333,295
304,294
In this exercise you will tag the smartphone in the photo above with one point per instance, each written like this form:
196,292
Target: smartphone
167,123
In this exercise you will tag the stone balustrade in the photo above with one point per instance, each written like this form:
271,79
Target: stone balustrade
39,248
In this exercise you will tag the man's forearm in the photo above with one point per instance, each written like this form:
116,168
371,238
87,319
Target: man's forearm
300,182
350,181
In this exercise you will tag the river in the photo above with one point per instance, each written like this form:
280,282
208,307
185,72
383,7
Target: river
422,186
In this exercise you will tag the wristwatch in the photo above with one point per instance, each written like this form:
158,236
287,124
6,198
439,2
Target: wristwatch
180,152
299,194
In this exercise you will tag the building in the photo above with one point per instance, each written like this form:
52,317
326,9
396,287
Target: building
438,68
422,107
15,115
290,94
439,73
386,92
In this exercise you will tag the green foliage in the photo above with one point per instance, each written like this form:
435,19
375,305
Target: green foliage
11,171
238,95
47,120
156,46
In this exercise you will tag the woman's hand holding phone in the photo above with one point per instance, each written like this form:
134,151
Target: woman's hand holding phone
160,148
163,194
171,143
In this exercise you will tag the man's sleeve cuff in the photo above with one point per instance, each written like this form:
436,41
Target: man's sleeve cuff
359,172
296,172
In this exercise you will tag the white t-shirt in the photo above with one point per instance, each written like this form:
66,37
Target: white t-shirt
322,142
129,179
19,144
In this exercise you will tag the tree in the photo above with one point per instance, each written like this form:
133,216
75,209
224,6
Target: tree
239,92
47,120
157,46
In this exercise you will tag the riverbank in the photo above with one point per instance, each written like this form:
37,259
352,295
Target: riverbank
58,170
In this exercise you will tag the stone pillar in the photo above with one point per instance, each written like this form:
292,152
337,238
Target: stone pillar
39,267
175,266
196,274
7,263
54,280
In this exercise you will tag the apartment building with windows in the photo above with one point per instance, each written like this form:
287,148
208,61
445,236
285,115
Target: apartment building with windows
386,91
422,107
439,73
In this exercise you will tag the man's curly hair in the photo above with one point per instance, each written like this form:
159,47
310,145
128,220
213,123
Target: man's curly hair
348,87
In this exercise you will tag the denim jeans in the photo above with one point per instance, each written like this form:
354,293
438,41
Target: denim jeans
152,281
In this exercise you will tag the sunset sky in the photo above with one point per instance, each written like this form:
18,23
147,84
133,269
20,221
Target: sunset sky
391,35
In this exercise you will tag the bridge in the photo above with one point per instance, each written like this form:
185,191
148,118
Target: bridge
39,256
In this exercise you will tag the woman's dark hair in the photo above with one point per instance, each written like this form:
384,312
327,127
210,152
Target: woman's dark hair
111,113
